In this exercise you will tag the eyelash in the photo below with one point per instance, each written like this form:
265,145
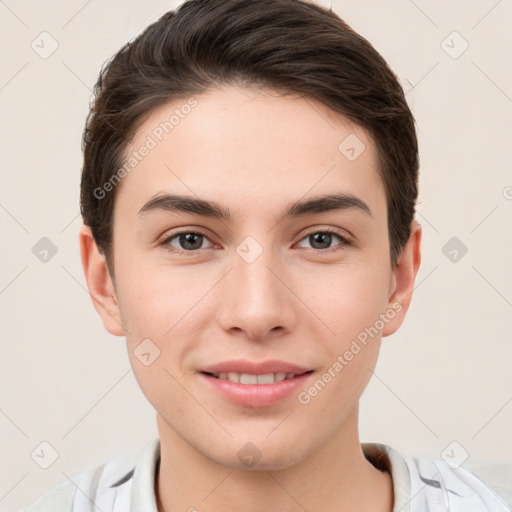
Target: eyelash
344,241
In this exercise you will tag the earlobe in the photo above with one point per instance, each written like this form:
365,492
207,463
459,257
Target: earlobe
404,276
99,283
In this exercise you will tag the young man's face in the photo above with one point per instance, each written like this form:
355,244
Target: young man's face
255,287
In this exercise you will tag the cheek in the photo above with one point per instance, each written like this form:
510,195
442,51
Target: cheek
163,313
348,300
349,304
153,300
159,383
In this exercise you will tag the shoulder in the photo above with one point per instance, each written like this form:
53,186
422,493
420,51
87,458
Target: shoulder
102,485
58,499
477,487
497,476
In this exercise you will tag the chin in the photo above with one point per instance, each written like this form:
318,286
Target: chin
262,455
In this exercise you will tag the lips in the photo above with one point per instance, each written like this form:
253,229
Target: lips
242,366
255,384
249,378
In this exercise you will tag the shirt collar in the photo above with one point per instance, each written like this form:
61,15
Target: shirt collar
143,481
385,458
382,456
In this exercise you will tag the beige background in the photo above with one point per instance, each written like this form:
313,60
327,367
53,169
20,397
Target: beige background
443,377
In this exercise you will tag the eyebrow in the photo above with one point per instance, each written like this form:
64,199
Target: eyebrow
196,206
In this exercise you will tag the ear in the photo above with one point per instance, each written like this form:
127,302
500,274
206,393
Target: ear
402,279
99,282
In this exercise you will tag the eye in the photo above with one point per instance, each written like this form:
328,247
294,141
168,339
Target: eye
323,238
189,241
192,241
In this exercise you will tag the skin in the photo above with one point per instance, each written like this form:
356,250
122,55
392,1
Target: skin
254,152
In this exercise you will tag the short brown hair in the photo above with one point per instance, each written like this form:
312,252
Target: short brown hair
293,46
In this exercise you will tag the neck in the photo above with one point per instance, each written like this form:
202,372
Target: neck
336,477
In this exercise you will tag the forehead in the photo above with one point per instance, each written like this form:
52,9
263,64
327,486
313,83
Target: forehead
249,148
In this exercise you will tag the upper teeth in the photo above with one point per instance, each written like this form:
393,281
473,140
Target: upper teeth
248,378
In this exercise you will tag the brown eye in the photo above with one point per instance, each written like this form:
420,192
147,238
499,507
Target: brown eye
187,241
322,240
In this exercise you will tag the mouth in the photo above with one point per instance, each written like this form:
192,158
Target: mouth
251,378
255,390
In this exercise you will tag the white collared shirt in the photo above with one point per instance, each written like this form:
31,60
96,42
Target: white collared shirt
420,484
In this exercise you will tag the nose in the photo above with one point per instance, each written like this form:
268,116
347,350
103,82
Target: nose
256,300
